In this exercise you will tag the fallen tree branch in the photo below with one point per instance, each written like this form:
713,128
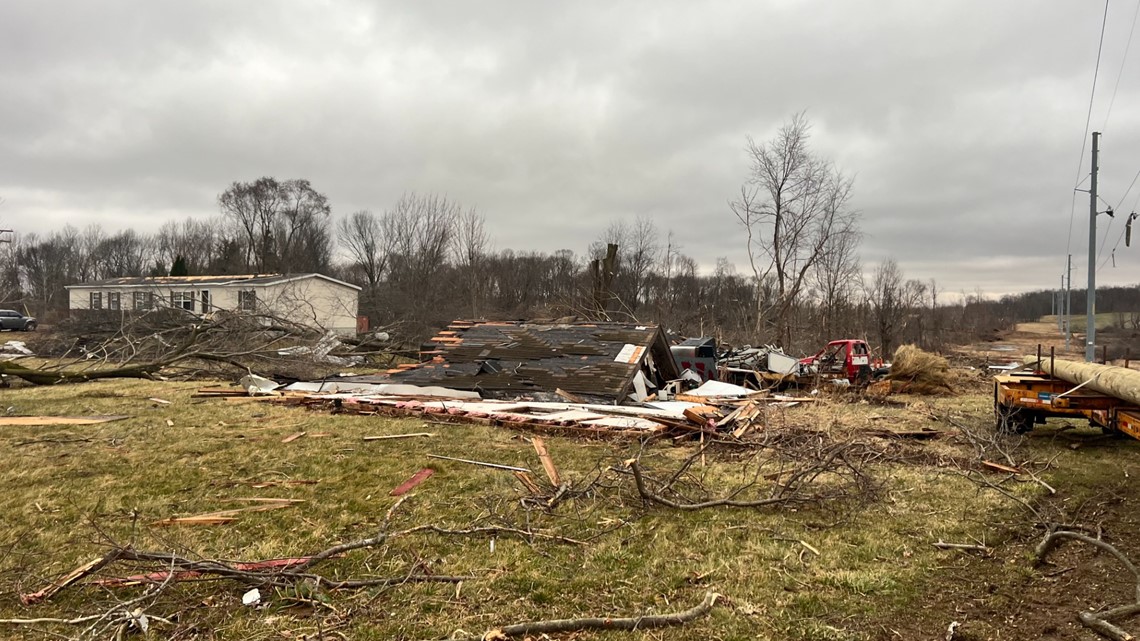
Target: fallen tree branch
645,493
942,545
491,531
790,490
604,623
1099,622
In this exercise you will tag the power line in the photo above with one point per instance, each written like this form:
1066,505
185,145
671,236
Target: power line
1123,60
1108,227
1088,122
1122,231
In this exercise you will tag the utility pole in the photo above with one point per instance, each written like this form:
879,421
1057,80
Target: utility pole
1068,284
1090,306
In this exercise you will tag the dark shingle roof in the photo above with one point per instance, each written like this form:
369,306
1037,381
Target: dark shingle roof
597,359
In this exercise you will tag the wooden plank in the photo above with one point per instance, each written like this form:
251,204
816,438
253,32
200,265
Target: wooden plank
573,398
496,466
701,414
998,467
528,482
411,483
222,517
293,437
58,420
394,436
547,462
78,573
205,519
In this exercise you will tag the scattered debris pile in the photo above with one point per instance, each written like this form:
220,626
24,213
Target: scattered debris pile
713,408
748,359
597,361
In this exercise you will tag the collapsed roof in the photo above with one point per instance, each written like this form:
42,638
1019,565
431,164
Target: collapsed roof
600,360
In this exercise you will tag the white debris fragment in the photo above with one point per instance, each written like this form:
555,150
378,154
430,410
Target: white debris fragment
258,385
251,598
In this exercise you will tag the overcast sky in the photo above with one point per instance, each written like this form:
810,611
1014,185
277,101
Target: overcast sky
962,120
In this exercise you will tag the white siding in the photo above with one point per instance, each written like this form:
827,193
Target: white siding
309,300
313,301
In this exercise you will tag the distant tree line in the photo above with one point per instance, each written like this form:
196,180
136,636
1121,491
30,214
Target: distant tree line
427,260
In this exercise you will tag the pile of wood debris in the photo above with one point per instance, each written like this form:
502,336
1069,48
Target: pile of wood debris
714,408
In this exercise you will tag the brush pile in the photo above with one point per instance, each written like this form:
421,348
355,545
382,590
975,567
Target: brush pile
915,371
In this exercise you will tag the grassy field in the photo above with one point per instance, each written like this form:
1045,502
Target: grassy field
1104,320
852,569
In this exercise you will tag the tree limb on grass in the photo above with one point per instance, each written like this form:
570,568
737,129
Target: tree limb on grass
644,622
791,490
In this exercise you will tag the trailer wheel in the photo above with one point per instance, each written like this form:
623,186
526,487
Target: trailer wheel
1012,420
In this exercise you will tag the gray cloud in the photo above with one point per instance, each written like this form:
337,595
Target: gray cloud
961,120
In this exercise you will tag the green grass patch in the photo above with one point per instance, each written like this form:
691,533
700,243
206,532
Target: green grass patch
71,490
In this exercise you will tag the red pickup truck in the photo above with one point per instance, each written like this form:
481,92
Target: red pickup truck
849,358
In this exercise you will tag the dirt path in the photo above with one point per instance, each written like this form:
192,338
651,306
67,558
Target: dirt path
1010,346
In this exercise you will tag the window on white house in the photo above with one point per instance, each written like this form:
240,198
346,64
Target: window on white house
247,300
96,300
113,300
205,296
141,301
182,300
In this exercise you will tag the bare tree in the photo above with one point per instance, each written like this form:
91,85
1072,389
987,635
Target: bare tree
284,224
835,278
196,241
793,203
886,298
361,234
471,245
47,265
421,229
641,256
302,235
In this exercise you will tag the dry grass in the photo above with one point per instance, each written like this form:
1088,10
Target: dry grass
70,490
920,372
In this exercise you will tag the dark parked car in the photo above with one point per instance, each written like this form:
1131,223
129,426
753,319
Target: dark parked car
15,320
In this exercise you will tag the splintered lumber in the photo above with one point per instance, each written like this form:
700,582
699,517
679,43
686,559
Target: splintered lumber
58,420
547,462
496,466
214,392
94,565
293,437
528,482
201,519
573,398
387,437
701,414
1114,381
998,467
229,516
411,483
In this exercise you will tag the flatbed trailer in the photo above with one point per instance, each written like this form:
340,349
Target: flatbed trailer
1023,400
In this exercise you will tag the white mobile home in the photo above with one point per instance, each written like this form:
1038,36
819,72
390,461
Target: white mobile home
310,299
